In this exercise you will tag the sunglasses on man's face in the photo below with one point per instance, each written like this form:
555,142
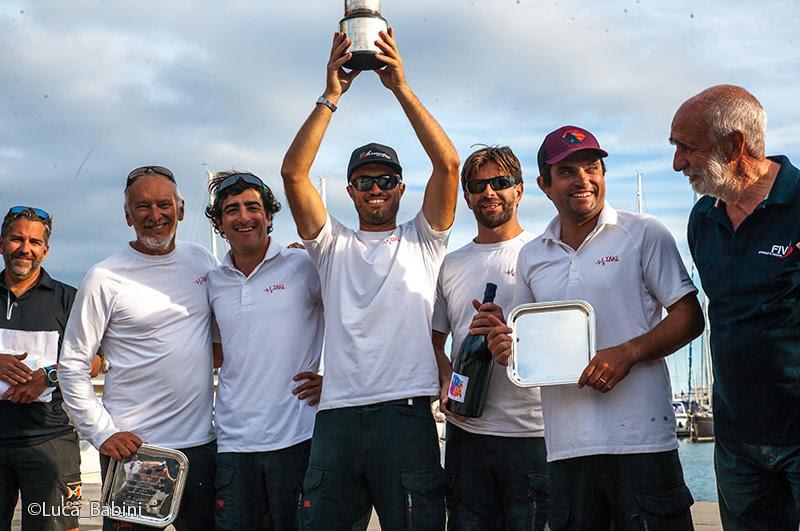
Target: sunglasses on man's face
17,210
384,182
144,170
501,182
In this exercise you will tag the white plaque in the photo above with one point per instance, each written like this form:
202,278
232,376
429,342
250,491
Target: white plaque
145,488
552,342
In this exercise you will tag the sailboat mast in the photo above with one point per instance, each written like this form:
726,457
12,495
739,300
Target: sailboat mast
639,202
323,192
210,175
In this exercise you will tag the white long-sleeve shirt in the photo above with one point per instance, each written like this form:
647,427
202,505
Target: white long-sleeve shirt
151,316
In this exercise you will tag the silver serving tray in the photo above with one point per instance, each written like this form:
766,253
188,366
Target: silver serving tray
145,488
552,342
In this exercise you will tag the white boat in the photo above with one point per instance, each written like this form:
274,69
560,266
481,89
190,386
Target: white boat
682,428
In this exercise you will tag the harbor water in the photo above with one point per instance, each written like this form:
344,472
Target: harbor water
697,460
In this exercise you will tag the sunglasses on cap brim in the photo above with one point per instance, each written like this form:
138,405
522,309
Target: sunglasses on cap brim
501,182
384,182
144,170
20,209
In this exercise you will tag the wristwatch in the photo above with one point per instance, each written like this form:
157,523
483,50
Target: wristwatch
51,374
322,100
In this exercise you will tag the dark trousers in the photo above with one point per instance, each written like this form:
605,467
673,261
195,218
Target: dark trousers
260,490
49,477
383,455
495,483
629,492
758,486
196,512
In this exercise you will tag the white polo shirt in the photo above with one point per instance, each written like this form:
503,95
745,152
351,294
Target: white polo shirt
628,269
271,326
378,289
510,411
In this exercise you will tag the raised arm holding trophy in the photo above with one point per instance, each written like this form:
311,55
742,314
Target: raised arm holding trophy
375,442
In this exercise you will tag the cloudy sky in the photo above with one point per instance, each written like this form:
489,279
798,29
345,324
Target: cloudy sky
91,89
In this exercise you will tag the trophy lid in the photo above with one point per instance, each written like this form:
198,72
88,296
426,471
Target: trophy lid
353,7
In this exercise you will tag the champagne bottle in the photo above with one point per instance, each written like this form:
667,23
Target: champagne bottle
472,370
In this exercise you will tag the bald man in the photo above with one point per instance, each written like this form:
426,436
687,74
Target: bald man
744,235
147,305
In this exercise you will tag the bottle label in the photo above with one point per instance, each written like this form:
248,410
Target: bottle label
458,387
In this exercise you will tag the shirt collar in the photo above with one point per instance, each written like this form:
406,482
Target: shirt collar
273,250
785,185
44,281
782,192
608,216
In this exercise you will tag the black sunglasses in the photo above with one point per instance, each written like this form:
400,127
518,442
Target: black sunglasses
501,182
20,209
249,178
384,182
144,170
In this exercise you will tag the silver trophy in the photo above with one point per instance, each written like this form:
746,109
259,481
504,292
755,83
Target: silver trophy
362,22
145,488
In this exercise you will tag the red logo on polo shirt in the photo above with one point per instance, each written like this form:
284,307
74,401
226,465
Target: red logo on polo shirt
781,251
608,259
390,240
274,288
201,280
791,250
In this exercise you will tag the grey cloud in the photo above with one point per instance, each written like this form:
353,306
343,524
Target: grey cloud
229,83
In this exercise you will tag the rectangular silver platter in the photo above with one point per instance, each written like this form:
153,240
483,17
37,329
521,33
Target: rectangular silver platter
146,488
552,342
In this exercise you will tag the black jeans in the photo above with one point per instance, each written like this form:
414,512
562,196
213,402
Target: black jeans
383,455
260,490
49,477
758,485
628,492
196,512
495,483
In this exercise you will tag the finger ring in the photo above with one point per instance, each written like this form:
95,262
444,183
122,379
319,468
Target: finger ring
602,380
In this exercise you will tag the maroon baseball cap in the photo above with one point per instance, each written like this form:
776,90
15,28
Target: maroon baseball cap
565,141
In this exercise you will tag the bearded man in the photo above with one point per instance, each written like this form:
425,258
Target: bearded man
744,235
39,453
147,306
374,441
506,488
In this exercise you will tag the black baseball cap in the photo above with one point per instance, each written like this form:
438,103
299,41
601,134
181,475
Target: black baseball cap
373,153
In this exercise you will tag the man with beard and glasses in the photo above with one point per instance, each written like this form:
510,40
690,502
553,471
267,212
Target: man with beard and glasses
611,446
744,235
375,441
148,308
268,306
39,452
496,463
